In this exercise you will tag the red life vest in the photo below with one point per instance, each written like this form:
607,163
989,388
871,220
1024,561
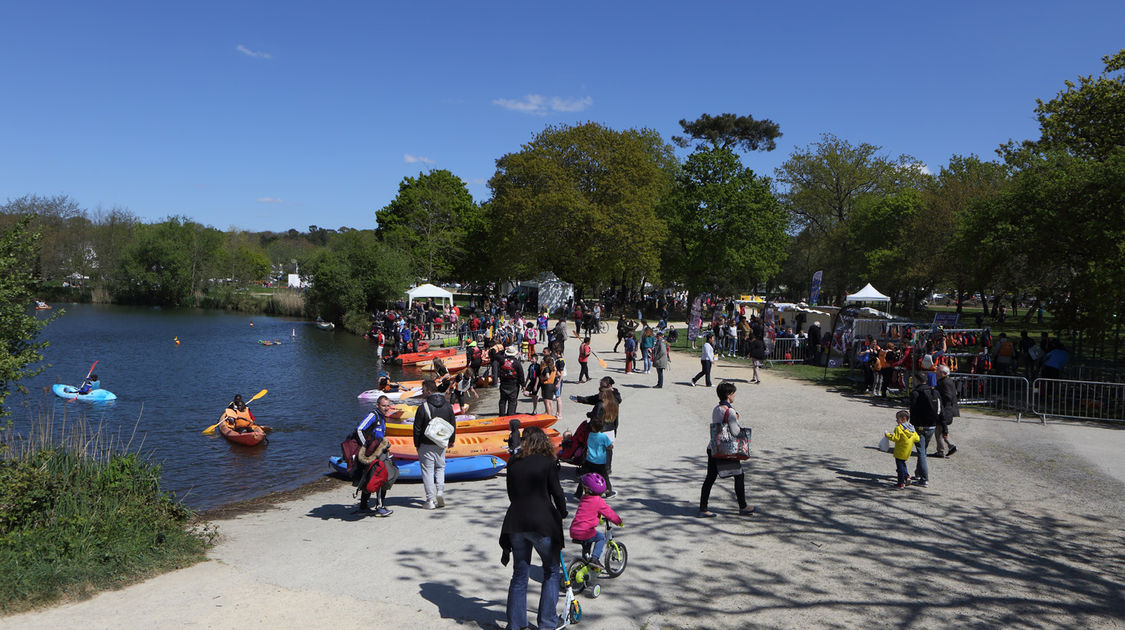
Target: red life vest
508,369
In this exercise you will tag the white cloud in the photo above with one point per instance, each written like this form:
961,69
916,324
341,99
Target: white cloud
560,104
539,105
923,169
411,159
270,200
257,54
475,180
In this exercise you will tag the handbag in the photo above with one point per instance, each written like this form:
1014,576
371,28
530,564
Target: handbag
438,430
728,445
350,447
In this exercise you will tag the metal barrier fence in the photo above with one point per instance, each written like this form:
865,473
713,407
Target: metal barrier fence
1083,400
1005,393
787,350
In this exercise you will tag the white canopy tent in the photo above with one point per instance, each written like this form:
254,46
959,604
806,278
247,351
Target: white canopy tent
867,294
428,290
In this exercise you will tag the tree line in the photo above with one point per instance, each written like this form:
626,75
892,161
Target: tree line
606,208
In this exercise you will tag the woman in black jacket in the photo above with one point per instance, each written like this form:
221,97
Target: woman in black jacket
534,520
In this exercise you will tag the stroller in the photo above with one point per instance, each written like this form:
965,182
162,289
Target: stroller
573,448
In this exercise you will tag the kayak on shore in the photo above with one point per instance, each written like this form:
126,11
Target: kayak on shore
410,358
374,394
494,443
70,392
459,469
467,424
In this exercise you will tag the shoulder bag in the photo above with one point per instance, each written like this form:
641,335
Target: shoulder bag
725,444
438,430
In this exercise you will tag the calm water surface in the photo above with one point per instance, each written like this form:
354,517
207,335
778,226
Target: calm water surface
176,391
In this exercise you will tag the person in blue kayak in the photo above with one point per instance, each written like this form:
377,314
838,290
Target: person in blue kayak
91,383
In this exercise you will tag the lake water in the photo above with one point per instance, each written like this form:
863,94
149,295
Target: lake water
176,391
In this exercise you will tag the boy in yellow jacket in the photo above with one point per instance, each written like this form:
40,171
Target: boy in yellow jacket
905,437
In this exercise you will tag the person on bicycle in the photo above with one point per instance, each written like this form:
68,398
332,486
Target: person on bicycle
584,527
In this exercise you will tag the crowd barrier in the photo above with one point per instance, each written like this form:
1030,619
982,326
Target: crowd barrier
1081,400
1004,393
787,350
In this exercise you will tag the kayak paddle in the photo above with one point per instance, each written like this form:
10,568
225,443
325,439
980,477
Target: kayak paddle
211,429
84,381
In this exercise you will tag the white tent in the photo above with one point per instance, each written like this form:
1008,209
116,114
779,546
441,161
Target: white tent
867,294
428,290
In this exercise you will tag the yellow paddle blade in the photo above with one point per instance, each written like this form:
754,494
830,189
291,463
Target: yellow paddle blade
259,395
601,362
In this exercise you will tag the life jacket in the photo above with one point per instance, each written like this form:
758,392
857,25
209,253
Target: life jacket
239,419
548,378
508,369
380,338
475,354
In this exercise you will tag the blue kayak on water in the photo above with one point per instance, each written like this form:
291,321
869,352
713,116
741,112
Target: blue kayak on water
456,468
70,392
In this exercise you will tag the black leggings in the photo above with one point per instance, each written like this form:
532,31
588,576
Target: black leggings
584,373
712,474
706,371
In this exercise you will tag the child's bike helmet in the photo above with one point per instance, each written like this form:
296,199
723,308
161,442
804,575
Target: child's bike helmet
593,483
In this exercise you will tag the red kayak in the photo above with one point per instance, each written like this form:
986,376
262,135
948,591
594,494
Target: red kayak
251,438
410,358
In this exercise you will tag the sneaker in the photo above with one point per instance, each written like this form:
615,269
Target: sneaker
440,501
597,564
937,455
706,514
746,511
430,505
952,450
693,383
383,512
901,486
922,484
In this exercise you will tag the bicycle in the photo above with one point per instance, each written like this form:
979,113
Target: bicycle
603,326
572,614
614,559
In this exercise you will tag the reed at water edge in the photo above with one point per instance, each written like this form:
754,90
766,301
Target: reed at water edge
81,510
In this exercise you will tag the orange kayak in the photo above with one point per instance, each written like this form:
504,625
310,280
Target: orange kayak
452,363
253,438
494,443
417,357
480,425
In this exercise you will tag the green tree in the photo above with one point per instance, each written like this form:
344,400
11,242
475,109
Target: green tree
727,228
1062,218
168,262
19,328
356,274
430,219
588,195
729,131
824,185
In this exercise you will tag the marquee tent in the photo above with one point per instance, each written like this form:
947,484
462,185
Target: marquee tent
428,290
867,294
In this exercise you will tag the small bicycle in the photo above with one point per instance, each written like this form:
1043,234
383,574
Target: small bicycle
573,612
614,559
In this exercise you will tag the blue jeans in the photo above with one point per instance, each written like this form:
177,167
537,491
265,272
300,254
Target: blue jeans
900,469
522,543
922,469
599,544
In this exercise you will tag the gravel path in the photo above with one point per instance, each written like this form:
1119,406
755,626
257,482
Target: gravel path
1021,528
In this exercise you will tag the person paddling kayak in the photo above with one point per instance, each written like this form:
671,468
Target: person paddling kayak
91,383
242,419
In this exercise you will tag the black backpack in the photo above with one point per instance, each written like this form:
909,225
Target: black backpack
925,406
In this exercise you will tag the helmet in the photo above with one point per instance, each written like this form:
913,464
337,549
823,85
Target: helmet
593,483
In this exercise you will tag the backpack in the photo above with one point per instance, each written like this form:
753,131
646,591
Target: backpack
508,369
925,406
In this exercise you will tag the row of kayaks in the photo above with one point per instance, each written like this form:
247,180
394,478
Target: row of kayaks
479,451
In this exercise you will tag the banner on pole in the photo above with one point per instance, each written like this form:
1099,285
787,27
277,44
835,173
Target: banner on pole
814,295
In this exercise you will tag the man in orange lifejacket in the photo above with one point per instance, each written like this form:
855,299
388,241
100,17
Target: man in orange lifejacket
239,416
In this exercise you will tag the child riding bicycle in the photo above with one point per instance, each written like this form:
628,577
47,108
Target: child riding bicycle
584,527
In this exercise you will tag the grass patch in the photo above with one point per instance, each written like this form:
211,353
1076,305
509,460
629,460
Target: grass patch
80,514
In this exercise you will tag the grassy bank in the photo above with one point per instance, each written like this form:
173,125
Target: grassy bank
79,514
285,302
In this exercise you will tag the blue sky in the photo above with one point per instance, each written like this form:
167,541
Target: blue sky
272,115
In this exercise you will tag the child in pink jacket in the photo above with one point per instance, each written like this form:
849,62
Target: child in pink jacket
584,527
